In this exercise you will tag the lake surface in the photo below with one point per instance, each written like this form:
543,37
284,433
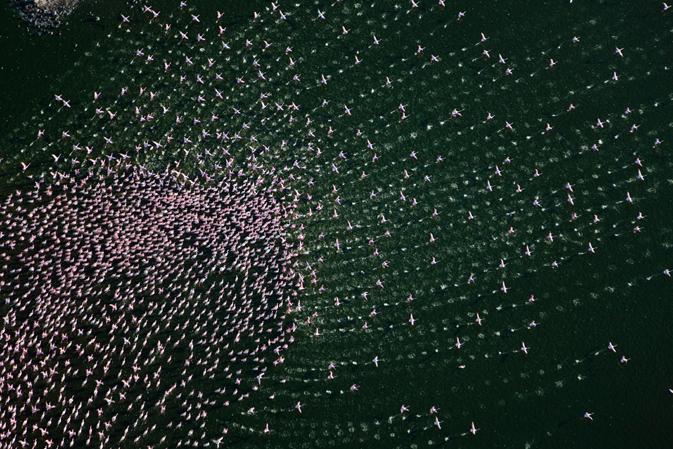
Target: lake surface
439,170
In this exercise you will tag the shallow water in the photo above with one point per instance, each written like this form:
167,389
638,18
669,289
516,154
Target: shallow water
421,152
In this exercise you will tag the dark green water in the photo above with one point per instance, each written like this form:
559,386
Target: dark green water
617,294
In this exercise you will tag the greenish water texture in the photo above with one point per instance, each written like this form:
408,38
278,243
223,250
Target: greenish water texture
421,153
